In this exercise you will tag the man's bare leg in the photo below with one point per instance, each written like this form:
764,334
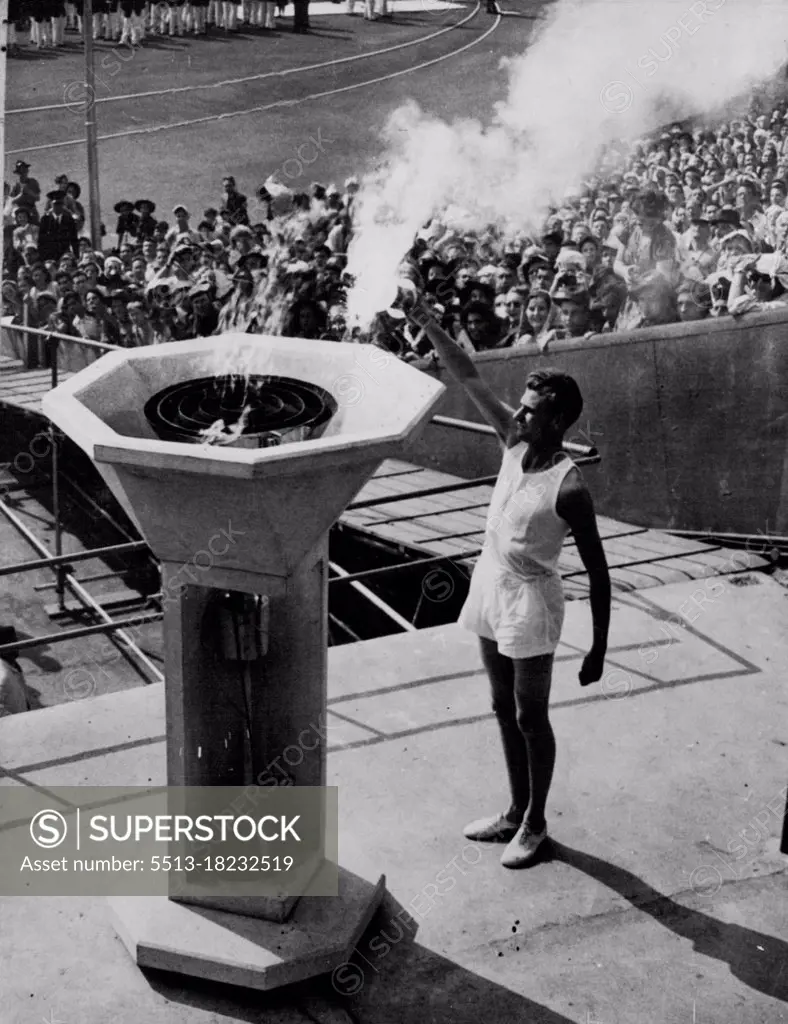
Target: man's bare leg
501,672
532,679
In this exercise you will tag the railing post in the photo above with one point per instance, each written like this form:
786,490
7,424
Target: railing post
52,347
60,587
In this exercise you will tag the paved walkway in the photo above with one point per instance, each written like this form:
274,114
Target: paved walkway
664,901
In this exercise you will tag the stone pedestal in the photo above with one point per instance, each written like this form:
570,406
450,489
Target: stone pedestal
267,940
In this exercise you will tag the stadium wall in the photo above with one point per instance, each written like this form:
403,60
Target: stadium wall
691,421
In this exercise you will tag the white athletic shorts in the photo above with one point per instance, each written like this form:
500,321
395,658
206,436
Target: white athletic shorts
523,615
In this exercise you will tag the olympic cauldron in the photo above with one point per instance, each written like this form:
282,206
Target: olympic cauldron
234,456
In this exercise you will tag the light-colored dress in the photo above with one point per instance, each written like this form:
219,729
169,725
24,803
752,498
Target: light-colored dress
516,597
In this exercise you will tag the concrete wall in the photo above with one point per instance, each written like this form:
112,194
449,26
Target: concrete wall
690,419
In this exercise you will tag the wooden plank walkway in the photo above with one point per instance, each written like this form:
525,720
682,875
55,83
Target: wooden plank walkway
23,389
453,524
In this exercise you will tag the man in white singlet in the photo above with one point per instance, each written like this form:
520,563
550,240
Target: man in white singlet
515,604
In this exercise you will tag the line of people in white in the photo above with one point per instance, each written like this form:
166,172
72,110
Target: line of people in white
129,22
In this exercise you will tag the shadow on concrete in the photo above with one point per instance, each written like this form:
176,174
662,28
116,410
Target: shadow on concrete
402,983
37,655
757,960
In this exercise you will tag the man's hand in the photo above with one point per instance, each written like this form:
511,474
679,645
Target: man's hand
594,661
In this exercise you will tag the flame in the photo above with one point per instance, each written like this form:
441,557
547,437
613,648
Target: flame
220,433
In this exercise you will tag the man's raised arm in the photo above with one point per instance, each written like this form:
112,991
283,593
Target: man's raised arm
463,369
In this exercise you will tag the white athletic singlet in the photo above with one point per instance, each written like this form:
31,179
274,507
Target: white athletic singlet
516,597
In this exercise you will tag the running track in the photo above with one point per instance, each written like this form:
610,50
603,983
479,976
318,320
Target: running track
178,114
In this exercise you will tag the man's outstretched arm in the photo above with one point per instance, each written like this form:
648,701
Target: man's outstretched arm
575,506
463,369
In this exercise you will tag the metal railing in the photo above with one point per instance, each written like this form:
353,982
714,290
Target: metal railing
48,345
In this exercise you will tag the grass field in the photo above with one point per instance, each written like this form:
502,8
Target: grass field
202,122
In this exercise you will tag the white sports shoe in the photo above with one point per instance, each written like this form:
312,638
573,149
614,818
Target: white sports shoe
521,852
495,829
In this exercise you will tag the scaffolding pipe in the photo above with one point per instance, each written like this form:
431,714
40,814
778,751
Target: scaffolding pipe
85,342
747,539
102,512
344,627
83,579
84,597
76,556
79,631
401,621
570,447
482,481
401,566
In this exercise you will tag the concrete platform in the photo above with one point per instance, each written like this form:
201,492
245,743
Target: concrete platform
234,949
662,901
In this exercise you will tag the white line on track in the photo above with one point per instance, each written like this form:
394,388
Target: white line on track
254,78
268,106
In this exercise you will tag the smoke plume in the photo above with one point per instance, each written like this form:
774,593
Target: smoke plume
597,72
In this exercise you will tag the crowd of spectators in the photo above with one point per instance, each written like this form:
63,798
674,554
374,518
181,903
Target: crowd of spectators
691,224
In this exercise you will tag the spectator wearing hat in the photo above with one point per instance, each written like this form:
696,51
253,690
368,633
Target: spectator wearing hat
26,192
114,276
128,220
724,222
733,248
146,222
57,233
573,303
60,183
